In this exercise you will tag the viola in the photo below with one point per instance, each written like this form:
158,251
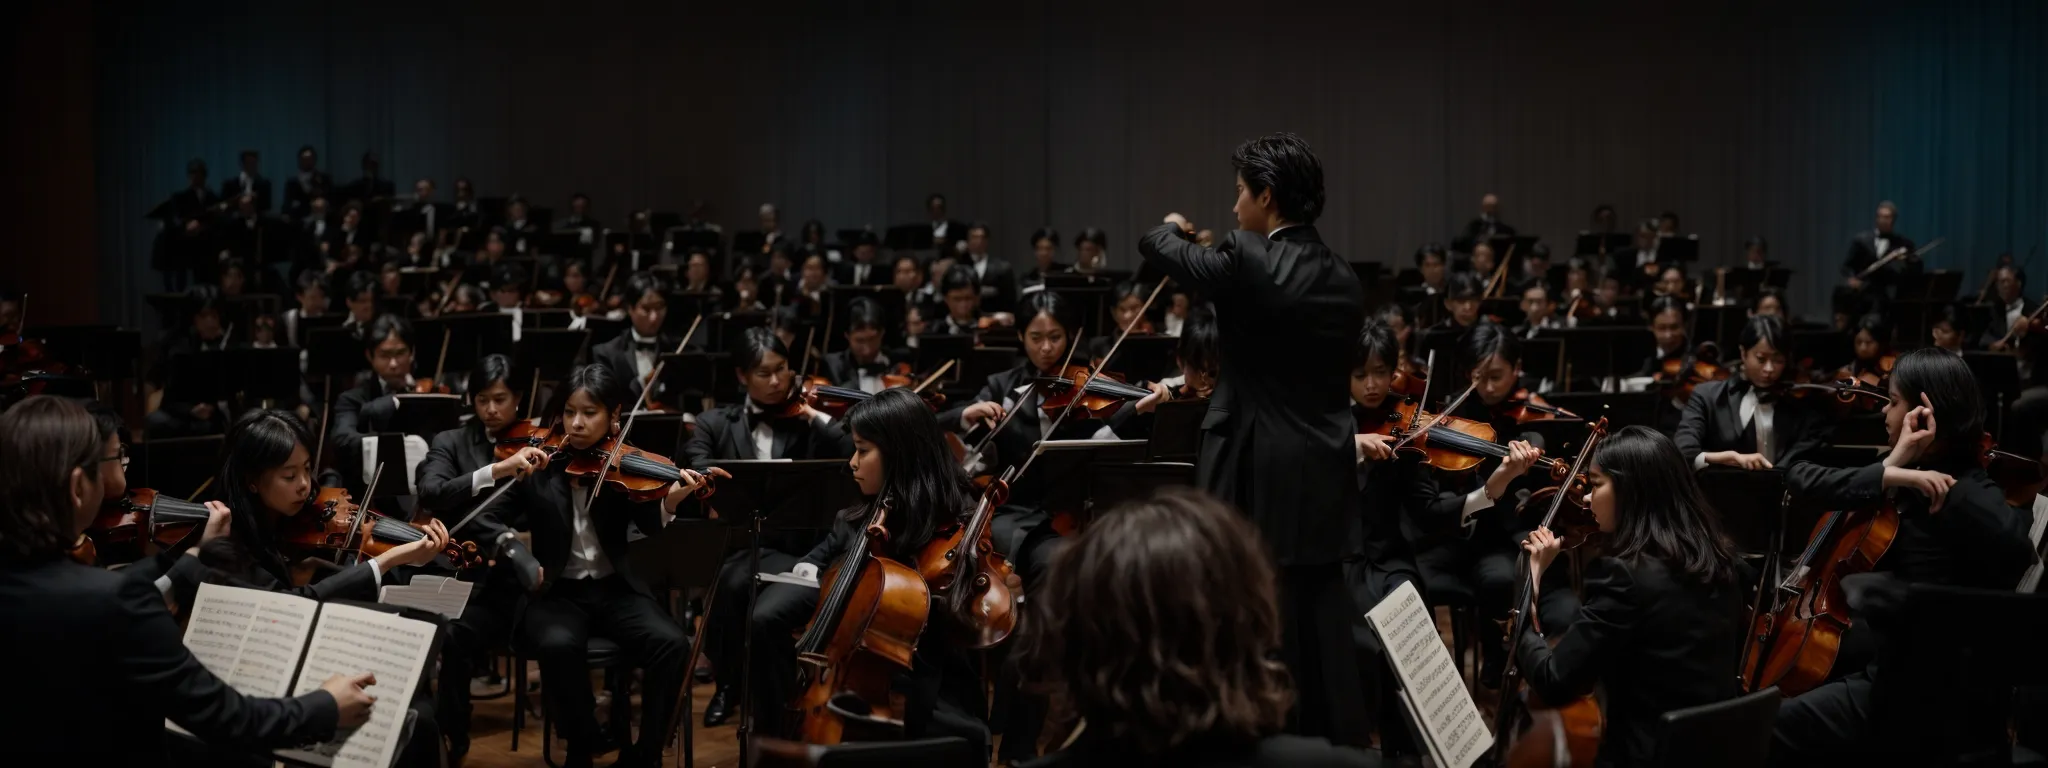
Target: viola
871,611
333,525
526,434
977,583
1524,406
1099,396
143,518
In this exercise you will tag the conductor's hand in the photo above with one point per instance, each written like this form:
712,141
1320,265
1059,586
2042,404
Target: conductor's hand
418,552
349,696
522,464
989,412
1542,546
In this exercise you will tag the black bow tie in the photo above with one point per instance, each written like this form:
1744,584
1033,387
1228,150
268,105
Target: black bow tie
646,346
1764,395
876,368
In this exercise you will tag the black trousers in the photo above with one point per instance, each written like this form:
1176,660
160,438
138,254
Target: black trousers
1317,611
486,623
1488,569
558,628
725,633
1376,676
1823,725
1028,539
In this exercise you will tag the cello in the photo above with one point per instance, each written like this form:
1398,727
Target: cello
871,610
1563,733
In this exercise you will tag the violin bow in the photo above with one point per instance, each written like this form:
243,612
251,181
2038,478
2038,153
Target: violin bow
612,457
934,377
442,360
1500,273
355,530
1900,252
1022,398
1038,448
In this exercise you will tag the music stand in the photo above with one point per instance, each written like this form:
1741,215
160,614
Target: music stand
1589,243
1682,249
426,415
934,350
1112,484
1068,459
263,374
552,351
1177,430
602,329
1998,375
334,352
1147,358
682,555
473,335
1543,359
786,495
107,353
1718,324
701,372
1507,308
1830,349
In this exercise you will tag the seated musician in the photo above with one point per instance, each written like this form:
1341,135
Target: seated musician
754,430
372,406
899,459
1219,701
311,293
1091,248
1771,301
866,267
458,473
1756,255
1638,266
697,274
586,586
1539,311
1743,421
1954,529
1670,317
1471,530
2009,324
1868,248
1534,270
109,661
1662,621
1401,322
508,294
1045,251
361,300
1393,489
1873,348
632,355
1432,262
962,293
1461,302
1198,355
1946,332
174,418
1483,263
862,363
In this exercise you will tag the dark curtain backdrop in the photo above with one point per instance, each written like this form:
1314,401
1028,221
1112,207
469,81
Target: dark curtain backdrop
1779,120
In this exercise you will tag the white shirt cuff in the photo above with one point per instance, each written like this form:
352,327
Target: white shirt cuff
1700,461
163,584
376,570
481,479
1474,501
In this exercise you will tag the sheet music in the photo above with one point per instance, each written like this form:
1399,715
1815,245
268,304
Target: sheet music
353,640
248,638
1443,710
434,594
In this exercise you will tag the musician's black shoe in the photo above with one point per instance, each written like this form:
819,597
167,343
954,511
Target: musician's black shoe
719,709
704,671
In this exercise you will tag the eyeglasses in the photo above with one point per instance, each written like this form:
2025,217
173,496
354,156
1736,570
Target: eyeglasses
120,456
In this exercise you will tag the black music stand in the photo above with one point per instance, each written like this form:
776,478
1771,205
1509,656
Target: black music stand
473,335
1543,359
703,373
1596,353
543,318
335,353
552,351
1177,430
1830,349
1147,358
1506,307
262,374
683,555
1719,324
108,353
1111,484
1998,375
1589,243
602,329
934,350
786,495
1681,249
1068,459
427,415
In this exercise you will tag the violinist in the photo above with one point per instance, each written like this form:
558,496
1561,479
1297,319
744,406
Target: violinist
457,474
812,279
1197,355
1484,262
586,588
1744,421
1662,621
1090,248
1432,262
1771,301
900,460
1670,319
1401,322
1946,332
2009,324
1873,348
508,294
962,292
1393,489
372,406
1461,302
107,662
862,363
1533,271
1470,532
1640,264
1866,249
1179,565
361,300
697,274
1954,529
1539,311
1127,307
1045,251
763,428
866,266
632,355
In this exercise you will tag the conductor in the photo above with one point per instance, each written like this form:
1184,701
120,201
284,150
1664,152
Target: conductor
1278,438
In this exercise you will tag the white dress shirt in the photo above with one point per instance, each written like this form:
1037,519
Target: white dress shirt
764,432
1883,245
2013,312
643,359
586,554
860,273
980,261
1763,415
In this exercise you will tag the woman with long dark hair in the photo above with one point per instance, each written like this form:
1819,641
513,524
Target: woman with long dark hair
1662,622
266,476
900,456
1161,626
1954,529
103,660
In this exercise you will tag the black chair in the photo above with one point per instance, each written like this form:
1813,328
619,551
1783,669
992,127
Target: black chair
686,555
948,752
1732,732
601,654
1451,592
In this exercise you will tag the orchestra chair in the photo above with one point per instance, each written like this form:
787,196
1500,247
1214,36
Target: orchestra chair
1451,592
947,752
1732,732
603,654
1962,653
684,557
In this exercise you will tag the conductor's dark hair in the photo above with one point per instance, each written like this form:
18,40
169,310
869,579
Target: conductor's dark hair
42,439
1045,233
1160,623
1756,243
490,370
1490,339
863,314
386,326
260,441
1464,285
925,486
361,282
1944,378
1663,304
1875,324
1376,340
1662,513
1423,253
1283,163
1766,328
1050,304
1092,235
599,382
641,283
958,277
754,346
1199,347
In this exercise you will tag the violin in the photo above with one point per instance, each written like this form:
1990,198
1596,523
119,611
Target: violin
1409,379
871,611
140,519
2019,477
642,475
333,523
1449,443
1562,733
1099,396
1875,376
1524,406
1680,374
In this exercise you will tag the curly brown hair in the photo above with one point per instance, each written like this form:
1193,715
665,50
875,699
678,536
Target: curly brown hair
1159,625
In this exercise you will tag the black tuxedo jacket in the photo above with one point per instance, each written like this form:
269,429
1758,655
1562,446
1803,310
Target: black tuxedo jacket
1658,640
998,283
617,354
878,273
840,368
1975,540
545,502
444,485
1713,422
232,188
727,433
298,196
1390,494
100,642
365,188
362,411
1475,230
1996,330
1863,253
1278,439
